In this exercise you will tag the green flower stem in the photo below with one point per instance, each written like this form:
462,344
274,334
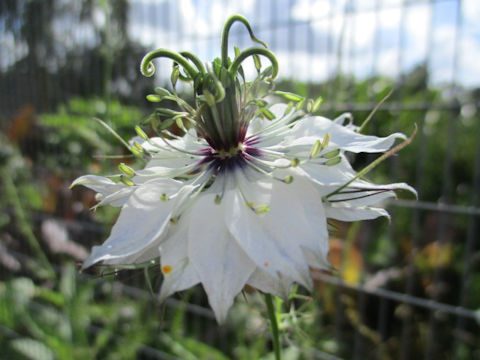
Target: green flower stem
23,223
148,69
372,165
193,58
226,30
254,51
370,116
274,326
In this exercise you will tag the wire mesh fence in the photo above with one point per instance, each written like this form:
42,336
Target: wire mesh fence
405,289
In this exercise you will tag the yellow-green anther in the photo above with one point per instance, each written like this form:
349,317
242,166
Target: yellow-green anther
154,98
164,197
326,140
300,105
309,105
138,146
333,161
174,220
289,96
218,199
127,170
161,91
331,154
268,114
317,103
209,98
135,152
126,181
316,148
288,179
295,162
289,108
236,50
262,209
141,133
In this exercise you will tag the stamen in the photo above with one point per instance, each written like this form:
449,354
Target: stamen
126,181
333,161
125,169
331,154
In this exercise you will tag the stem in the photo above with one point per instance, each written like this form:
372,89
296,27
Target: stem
226,30
274,325
148,69
23,223
254,51
369,117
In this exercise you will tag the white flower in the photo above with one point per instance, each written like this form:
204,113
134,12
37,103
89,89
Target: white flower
240,219
238,199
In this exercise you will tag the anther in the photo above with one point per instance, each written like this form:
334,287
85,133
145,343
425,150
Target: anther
331,154
125,169
333,161
295,162
288,179
126,181
141,133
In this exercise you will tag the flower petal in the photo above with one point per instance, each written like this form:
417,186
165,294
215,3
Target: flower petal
276,285
348,213
178,271
270,239
111,193
222,266
142,220
309,130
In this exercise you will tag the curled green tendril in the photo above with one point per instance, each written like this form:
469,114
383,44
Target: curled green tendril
194,59
226,30
254,51
148,69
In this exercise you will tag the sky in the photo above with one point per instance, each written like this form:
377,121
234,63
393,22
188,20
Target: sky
315,38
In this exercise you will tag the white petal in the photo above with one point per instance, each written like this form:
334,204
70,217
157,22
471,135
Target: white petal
118,198
309,130
222,266
268,239
347,213
115,194
179,273
142,220
329,175
276,285
362,193
302,205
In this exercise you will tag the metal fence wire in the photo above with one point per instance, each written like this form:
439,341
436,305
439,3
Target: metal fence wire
408,289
